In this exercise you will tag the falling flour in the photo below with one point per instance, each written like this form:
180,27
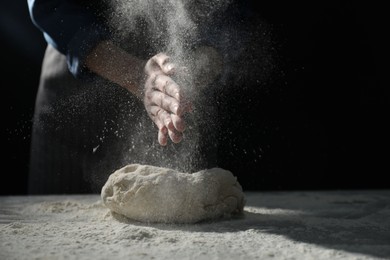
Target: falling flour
162,195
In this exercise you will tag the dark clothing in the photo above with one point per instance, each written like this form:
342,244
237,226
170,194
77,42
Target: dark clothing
73,27
79,130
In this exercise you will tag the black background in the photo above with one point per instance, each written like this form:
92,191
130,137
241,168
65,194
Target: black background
332,105
22,47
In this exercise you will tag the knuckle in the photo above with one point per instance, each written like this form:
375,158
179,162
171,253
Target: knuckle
166,60
155,79
159,112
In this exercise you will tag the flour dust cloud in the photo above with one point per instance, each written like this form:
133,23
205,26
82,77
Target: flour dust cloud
173,27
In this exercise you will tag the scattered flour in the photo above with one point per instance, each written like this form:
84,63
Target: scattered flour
156,194
339,225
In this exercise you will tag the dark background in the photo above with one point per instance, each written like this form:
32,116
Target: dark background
331,110
22,47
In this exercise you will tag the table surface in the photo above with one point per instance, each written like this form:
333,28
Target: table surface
275,225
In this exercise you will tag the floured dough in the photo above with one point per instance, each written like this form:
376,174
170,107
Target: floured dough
154,194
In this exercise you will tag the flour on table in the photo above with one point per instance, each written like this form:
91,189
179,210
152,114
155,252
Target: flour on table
155,194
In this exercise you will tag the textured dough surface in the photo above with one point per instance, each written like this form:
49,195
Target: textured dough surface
155,194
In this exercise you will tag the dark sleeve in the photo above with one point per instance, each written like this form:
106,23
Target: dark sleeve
72,28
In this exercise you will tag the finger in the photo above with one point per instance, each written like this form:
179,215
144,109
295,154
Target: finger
175,136
168,86
161,62
162,137
178,123
165,102
168,68
160,124
162,131
165,118
160,117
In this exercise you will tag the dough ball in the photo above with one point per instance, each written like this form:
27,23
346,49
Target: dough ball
155,194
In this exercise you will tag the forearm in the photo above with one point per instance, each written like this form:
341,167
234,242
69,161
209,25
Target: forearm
118,66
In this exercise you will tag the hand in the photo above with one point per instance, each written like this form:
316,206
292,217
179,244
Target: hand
163,99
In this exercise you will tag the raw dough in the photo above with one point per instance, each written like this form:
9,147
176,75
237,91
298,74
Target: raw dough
154,194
